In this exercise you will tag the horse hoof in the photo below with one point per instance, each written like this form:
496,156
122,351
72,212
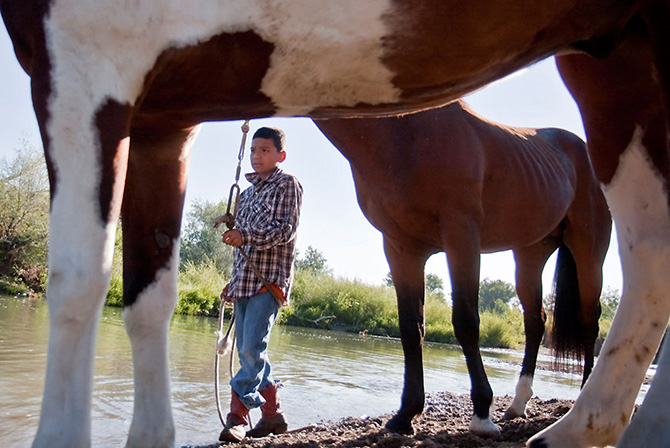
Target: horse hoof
511,413
537,443
400,425
484,427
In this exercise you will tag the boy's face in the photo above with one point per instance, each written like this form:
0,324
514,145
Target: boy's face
265,157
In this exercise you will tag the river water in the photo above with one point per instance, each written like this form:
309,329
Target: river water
327,375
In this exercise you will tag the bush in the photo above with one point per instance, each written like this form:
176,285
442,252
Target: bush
438,320
24,220
199,288
321,300
115,293
501,330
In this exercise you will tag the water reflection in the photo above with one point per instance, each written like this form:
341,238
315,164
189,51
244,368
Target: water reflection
327,375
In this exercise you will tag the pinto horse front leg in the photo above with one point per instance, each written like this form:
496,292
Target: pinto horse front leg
151,218
87,164
407,271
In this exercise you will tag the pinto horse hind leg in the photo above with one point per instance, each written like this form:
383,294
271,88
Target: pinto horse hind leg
650,426
636,191
530,262
605,403
151,219
84,212
407,271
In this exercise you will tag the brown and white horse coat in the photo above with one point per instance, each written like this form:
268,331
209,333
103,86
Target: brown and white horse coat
119,88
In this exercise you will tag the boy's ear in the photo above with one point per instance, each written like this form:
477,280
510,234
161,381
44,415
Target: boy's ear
282,156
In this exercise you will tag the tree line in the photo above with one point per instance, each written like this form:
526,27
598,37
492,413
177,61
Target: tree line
319,299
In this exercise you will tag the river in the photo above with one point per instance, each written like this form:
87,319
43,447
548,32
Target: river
327,375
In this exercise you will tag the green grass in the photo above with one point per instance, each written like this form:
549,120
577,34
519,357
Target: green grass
198,286
321,300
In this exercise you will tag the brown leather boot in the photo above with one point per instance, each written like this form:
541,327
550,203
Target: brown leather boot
236,421
272,419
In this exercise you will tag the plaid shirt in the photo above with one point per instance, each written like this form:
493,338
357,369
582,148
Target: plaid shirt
267,218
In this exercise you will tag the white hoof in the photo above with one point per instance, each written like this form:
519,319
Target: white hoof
524,391
483,427
514,412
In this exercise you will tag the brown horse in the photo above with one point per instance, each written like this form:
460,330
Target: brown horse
119,89
449,180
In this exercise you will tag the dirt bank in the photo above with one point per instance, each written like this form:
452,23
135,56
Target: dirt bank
444,424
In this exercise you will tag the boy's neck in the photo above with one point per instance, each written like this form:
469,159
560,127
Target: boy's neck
264,176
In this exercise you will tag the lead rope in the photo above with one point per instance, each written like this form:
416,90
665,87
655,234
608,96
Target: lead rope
226,343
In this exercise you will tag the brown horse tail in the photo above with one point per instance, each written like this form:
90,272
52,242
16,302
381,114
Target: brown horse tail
567,335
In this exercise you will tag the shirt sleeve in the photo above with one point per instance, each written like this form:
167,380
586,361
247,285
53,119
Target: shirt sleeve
282,227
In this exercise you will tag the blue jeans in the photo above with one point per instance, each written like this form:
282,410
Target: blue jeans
254,318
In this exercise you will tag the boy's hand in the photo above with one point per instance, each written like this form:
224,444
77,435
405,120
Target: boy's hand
232,238
224,295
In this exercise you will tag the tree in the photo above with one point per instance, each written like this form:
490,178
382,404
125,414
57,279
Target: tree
313,261
434,284
388,280
495,295
24,218
200,241
609,301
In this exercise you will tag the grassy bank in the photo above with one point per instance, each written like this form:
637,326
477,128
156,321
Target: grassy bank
324,301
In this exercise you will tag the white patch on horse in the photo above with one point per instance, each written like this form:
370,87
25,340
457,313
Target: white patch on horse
79,277
649,426
483,427
323,58
523,393
639,203
147,323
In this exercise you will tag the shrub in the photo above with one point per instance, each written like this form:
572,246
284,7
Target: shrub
199,288
501,330
321,300
115,293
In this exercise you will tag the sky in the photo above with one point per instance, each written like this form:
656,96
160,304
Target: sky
331,220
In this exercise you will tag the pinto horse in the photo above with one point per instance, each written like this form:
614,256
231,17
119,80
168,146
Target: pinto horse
120,87
449,180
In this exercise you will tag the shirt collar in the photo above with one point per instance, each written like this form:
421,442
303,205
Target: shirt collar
255,178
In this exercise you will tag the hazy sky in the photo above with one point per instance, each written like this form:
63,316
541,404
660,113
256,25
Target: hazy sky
331,219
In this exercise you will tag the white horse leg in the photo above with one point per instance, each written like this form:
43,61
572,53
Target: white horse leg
523,394
80,256
638,200
78,281
147,323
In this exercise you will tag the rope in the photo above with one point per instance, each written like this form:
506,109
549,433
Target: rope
225,344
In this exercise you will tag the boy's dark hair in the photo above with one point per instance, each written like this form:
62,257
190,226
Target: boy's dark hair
275,134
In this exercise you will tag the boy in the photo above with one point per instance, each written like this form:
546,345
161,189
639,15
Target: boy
266,224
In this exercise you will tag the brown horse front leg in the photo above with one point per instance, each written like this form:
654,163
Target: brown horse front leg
463,260
408,278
